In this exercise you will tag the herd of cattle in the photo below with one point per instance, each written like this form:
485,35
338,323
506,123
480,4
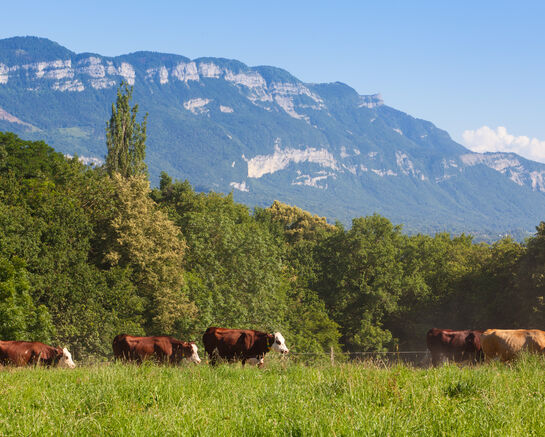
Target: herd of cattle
246,345
250,346
477,346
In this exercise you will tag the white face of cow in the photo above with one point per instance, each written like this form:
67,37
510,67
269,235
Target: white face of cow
66,359
194,358
279,344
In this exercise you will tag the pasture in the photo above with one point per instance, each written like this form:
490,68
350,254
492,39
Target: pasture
280,399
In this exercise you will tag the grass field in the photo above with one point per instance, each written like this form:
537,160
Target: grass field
280,399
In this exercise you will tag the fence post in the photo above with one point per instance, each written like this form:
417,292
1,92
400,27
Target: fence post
332,356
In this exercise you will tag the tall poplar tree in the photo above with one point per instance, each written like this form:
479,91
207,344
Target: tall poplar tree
125,138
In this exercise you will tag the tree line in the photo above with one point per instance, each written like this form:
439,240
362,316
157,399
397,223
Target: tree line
90,252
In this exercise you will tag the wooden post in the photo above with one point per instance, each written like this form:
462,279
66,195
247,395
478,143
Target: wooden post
332,356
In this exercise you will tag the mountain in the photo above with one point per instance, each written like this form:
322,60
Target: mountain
264,134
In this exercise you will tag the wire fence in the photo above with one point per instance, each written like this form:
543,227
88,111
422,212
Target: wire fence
414,358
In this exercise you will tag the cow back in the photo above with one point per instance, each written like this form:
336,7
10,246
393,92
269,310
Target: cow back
134,348
22,353
506,344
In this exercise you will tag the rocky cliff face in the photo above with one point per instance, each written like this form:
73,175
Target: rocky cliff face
264,134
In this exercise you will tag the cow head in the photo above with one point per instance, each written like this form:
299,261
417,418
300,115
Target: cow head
187,350
65,358
473,347
279,344
194,357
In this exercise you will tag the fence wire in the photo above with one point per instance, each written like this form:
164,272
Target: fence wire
415,358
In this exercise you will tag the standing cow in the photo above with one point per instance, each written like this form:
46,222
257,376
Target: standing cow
454,345
23,353
506,344
245,345
164,348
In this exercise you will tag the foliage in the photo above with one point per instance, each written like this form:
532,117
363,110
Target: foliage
125,138
361,280
527,294
297,224
48,214
298,233
20,319
141,238
234,266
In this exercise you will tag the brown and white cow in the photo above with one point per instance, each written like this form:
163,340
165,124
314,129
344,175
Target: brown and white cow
453,345
163,348
506,344
246,345
22,353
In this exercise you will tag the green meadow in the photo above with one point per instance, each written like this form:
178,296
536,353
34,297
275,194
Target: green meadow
279,399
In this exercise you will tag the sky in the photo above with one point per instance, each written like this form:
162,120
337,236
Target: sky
473,68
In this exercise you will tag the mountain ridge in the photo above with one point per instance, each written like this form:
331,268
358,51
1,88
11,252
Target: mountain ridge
264,134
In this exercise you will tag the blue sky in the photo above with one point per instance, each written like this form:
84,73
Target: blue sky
474,68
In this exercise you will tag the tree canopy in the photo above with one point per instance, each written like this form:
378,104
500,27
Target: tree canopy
125,137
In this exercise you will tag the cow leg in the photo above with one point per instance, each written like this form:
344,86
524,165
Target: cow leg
162,357
34,360
435,359
213,358
457,357
139,358
212,355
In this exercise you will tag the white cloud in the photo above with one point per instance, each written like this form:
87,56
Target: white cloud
486,139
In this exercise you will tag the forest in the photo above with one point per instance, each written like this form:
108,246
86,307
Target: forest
88,252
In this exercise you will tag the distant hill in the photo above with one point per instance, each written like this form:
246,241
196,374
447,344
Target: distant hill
264,134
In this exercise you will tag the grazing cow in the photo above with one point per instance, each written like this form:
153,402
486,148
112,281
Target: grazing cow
454,345
164,348
246,345
22,353
506,344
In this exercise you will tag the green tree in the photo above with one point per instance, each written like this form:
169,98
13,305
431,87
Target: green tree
50,211
362,280
20,318
296,223
298,233
442,287
234,266
141,237
125,138
528,292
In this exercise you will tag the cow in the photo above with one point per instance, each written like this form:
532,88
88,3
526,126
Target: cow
506,344
246,345
163,348
23,353
454,345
